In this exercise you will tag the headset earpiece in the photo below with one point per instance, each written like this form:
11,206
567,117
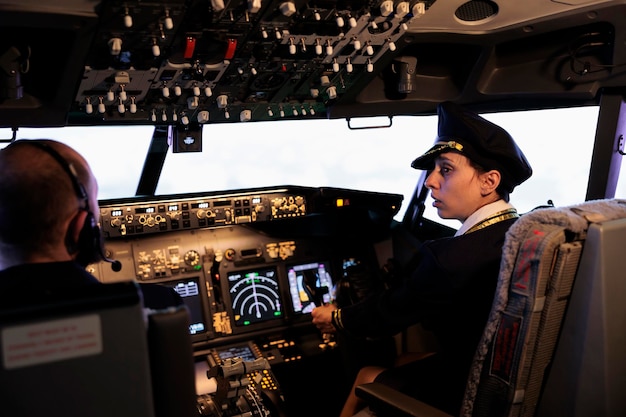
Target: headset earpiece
89,242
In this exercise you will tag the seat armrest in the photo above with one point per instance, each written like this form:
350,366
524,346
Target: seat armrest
171,362
388,402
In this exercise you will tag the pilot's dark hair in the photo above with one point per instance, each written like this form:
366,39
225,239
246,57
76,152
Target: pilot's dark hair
501,189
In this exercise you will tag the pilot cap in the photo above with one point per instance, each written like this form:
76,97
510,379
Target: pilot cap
483,142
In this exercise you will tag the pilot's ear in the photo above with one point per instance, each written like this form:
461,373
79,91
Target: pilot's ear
73,231
490,181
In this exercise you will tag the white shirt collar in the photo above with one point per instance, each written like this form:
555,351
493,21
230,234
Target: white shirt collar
481,214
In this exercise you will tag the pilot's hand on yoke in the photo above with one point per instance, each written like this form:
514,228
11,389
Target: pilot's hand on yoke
323,318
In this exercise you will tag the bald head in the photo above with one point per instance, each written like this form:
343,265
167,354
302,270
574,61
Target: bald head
38,199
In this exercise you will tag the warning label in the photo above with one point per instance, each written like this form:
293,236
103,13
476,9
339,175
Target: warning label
504,346
51,341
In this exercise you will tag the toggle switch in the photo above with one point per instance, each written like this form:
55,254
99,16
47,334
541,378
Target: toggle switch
115,46
222,101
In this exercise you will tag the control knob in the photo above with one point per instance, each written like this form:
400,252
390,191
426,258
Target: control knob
192,258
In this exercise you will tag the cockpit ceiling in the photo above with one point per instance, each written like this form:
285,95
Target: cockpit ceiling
198,62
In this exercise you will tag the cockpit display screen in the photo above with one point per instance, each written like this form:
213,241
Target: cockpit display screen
310,285
189,290
255,296
239,351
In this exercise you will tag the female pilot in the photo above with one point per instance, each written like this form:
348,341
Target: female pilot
473,166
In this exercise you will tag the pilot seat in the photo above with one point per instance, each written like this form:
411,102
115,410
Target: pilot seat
94,351
553,343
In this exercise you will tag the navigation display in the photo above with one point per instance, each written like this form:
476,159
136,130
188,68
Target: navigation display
310,286
255,296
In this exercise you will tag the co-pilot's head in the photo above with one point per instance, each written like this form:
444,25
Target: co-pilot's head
472,163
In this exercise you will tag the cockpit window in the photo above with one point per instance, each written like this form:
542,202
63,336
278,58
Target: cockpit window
558,143
115,154
307,153
621,181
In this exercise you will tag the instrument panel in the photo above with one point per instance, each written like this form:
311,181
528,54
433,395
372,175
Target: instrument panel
190,63
140,217
250,284
252,274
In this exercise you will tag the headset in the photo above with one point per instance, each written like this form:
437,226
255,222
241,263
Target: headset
90,246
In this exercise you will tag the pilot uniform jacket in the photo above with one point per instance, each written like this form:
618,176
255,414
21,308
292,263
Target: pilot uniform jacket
450,292
39,277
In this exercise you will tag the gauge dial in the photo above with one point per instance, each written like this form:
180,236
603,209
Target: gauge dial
192,258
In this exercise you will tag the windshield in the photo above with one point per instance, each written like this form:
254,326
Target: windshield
558,143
